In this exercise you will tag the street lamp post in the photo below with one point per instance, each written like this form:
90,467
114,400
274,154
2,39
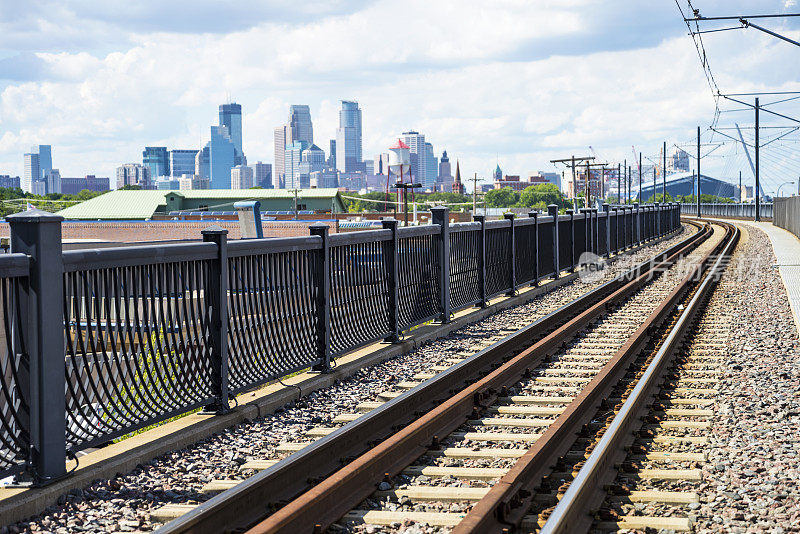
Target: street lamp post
778,194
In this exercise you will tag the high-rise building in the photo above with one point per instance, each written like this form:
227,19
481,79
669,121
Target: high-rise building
32,172
262,175
283,137
431,167
192,181
230,116
181,162
202,163
348,138
45,159
9,182
90,182
444,181
381,165
419,163
300,123
221,157
241,177
156,158
130,174
332,155
53,181
498,174
294,154
311,160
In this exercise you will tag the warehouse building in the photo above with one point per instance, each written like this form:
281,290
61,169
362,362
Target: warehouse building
684,184
131,205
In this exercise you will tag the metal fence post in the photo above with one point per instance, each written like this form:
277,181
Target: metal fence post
607,211
322,281
572,260
535,215
552,210
440,215
394,281
512,255
594,231
38,234
216,302
481,260
637,223
658,219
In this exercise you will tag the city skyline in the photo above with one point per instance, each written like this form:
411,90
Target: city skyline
581,75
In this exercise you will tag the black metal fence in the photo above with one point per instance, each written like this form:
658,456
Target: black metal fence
100,343
731,210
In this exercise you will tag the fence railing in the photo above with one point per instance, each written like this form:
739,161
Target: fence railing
786,214
743,211
101,343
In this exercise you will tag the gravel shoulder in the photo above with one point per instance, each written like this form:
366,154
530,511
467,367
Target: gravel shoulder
751,479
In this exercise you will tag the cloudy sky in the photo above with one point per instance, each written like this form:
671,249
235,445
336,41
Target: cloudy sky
519,81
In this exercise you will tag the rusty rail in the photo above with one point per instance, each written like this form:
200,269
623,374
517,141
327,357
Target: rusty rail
326,502
271,489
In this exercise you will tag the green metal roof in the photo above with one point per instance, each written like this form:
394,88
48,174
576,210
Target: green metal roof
142,204
120,205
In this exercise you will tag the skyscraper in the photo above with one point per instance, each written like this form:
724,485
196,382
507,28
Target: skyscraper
294,154
311,160
45,160
262,175
431,167
230,116
419,163
32,172
348,138
202,163
156,158
283,137
241,177
181,162
300,123
332,155
132,174
221,156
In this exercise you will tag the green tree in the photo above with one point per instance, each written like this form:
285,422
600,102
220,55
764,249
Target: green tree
501,198
541,194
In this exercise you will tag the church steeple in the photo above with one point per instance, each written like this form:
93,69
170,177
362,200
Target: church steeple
458,187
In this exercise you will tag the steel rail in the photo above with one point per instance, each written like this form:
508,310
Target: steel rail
570,514
326,502
253,499
507,502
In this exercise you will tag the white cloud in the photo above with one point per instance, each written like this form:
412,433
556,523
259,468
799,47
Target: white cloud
474,77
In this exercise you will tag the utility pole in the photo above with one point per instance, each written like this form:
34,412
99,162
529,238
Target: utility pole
574,183
630,182
698,174
588,191
655,183
475,194
625,170
572,162
758,178
664,177
740,186
295,191
619,184
640,178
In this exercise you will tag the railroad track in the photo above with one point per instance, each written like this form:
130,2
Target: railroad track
260,495
645,471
